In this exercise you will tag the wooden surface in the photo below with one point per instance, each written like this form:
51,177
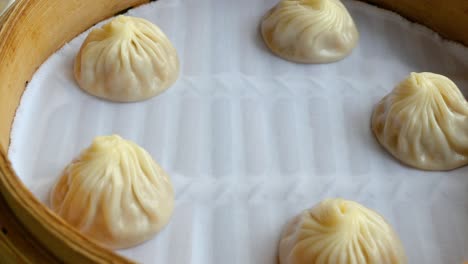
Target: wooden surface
15,240
29,33
447,17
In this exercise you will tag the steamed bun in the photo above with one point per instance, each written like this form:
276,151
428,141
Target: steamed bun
115,193
338,231
310,31
423,122
129,59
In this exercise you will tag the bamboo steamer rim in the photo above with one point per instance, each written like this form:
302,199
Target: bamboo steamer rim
31,31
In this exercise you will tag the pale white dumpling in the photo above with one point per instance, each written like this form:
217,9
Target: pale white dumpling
115,193
338,231
129,59
423,122
310,31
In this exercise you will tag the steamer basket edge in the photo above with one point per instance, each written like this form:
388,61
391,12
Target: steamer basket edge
29,231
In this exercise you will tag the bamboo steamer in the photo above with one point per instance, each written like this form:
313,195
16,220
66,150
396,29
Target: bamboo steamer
30,31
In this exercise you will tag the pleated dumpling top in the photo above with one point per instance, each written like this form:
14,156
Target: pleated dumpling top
338,231
115,193
310,31
129,59
423,122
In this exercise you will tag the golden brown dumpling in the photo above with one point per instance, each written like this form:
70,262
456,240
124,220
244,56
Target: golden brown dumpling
423,122
338,231
310,31
115,193
129,59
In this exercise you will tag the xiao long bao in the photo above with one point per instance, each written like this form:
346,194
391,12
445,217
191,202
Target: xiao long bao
129,59
115,193
310,31
338,231
423,122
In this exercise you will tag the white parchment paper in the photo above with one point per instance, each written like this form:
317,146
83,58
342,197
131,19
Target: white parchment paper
250,140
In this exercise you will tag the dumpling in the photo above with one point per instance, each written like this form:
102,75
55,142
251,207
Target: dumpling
338,231
310,31
423,122
115,193
129,59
